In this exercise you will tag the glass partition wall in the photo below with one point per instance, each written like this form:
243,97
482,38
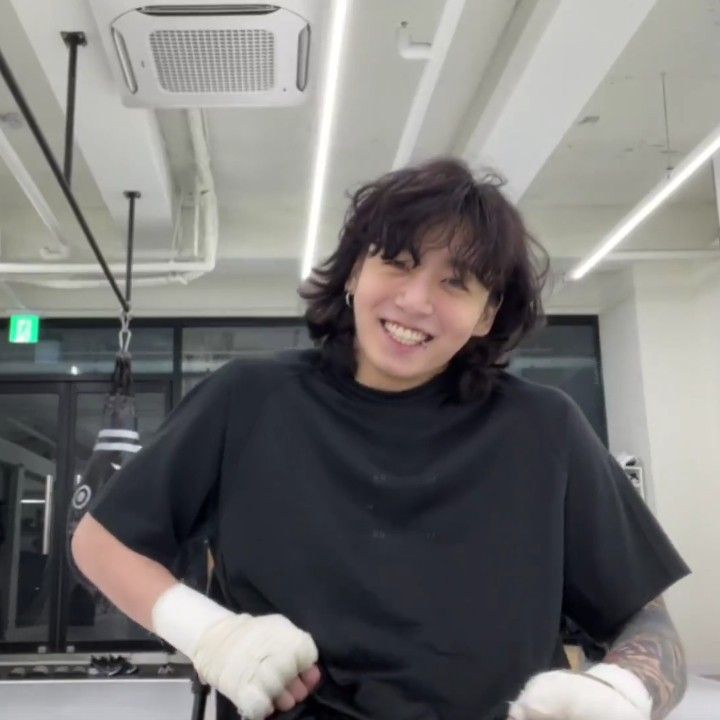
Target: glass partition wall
51,398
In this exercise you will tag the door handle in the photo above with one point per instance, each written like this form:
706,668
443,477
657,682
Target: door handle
47,520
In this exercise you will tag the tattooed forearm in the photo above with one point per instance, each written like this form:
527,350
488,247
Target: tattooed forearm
650,647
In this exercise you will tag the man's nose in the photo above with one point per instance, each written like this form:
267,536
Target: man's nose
416,294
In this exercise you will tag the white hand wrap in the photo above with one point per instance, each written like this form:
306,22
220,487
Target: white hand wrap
565,695
248,659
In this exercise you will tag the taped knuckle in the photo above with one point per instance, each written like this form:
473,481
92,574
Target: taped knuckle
306,652
252,702
269,679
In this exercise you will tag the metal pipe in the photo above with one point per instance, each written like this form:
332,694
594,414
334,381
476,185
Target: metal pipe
131,195
72,40
408,49
175,271
47,514
19,268
151,281
42,142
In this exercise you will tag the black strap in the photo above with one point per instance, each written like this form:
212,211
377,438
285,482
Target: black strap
121,381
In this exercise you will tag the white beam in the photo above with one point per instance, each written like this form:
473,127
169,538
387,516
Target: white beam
553,56
437,53
122,147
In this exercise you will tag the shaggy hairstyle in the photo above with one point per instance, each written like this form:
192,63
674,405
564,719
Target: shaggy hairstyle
486,236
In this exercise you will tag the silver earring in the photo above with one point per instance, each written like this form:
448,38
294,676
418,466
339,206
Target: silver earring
348,299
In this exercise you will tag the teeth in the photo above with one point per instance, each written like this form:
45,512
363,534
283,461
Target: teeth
404,335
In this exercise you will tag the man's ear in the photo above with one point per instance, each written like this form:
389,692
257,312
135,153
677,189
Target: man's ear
485,323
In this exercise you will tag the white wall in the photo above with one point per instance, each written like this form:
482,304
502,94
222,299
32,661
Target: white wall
623,386
660,345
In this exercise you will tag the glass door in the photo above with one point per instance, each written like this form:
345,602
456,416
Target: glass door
47,434
31,453
91,623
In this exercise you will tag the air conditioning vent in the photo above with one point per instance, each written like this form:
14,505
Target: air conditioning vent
212,55
188,61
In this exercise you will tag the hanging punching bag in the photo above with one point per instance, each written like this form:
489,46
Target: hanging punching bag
117,441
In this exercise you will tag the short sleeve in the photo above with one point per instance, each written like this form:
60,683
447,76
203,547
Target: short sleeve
162,495
617,556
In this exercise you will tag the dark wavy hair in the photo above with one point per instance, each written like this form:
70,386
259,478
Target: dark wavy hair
485,233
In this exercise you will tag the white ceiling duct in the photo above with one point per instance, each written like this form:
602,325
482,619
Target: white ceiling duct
204,55
205,226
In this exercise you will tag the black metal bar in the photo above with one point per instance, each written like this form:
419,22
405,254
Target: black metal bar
42,142
177,364
131,195
200,693
63,489
72,40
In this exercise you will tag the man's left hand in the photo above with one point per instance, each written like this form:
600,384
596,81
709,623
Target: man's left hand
608,692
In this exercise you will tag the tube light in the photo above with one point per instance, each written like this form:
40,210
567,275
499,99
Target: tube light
337,33
690,164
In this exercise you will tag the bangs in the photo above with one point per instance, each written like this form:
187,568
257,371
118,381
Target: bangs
476,249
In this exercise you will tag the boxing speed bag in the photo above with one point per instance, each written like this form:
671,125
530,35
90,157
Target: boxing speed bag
117,441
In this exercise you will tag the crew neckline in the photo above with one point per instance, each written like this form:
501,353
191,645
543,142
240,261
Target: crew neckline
438,386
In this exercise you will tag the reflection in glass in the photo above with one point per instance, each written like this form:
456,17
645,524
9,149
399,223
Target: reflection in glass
80,351
28,454
566,356
207,348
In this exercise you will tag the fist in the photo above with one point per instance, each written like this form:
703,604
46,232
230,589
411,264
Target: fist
259,663
565,695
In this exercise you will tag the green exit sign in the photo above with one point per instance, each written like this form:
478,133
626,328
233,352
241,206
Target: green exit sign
24,328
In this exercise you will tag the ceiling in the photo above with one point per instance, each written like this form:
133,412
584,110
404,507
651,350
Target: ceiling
563,97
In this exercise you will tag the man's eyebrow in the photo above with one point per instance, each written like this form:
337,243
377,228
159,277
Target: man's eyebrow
460,267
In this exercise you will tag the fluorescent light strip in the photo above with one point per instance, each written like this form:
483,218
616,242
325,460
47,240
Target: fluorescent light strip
337,33
701,154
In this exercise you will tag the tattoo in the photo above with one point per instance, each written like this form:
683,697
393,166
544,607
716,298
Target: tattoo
649,646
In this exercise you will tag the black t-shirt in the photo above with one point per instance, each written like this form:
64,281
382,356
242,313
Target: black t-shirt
430,547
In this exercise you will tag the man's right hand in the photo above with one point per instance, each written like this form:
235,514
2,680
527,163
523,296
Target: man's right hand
254,661
260,663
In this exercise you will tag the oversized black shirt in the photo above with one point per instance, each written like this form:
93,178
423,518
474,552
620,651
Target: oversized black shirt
430,547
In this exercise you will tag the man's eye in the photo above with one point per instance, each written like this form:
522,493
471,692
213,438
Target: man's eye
458,282
396,264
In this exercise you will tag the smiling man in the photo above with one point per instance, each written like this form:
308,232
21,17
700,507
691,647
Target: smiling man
398,523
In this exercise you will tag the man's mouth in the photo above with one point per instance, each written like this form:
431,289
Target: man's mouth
404,335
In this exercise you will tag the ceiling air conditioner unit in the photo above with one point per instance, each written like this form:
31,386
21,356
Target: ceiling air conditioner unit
200,55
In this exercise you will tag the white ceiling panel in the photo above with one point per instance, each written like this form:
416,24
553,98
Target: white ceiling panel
618,157
516,82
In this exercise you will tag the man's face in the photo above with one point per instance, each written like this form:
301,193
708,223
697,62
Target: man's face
410,321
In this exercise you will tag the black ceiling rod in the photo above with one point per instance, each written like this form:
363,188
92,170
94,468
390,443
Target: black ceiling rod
131,195
42,142
72,40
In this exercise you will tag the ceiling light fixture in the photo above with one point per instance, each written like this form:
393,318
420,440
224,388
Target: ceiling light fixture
662,191
336,36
